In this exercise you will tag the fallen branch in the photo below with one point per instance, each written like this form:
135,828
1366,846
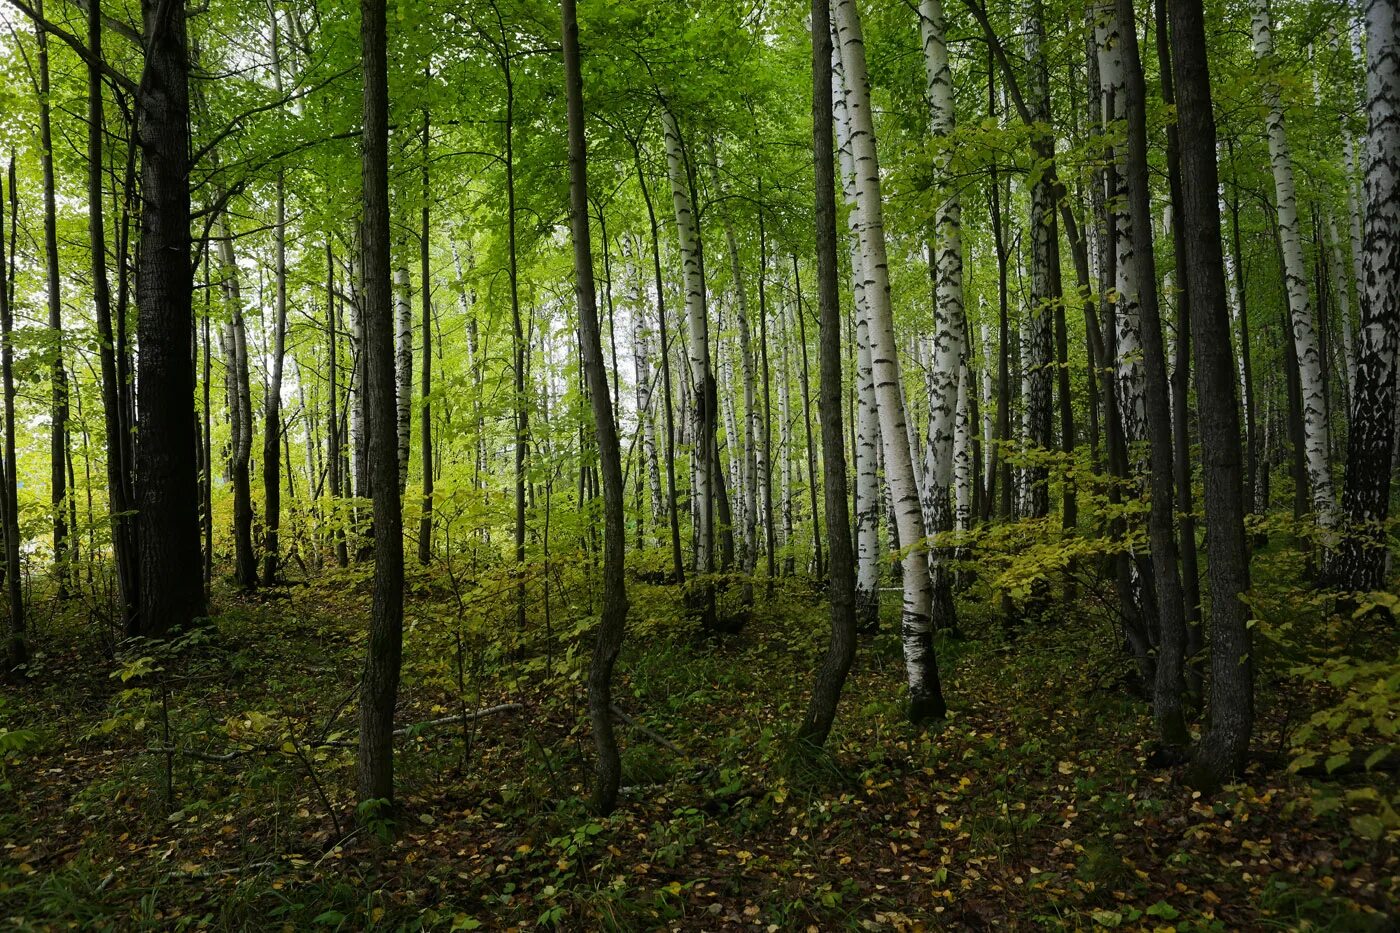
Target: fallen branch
654,736
346,743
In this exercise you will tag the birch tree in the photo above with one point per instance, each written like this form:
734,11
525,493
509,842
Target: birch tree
1305,335
916,631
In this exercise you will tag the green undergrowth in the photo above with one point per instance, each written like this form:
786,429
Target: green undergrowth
207,783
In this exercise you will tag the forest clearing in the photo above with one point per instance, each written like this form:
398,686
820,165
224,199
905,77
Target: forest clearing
777,464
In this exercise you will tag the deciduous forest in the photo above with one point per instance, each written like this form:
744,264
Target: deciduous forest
738,464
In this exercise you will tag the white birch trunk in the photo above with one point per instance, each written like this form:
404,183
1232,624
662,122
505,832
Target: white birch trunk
1305,337
697,347
1131,383
916,627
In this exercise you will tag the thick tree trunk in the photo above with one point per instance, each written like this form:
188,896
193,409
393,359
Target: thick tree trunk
826,693
1361,560
379,685
1038,352
1223,750
272,406
916,629
608,770
167,502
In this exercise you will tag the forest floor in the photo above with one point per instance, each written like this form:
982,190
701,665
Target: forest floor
1033,806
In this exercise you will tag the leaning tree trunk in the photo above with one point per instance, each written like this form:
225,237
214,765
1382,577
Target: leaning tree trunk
614,615
702,384
1361,559
916,629
379,685
167,501
1223,750
1305,335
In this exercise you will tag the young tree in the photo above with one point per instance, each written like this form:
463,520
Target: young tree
831,677
611,624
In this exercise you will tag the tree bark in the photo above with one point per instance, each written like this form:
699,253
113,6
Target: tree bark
611,623
1222,751
826,693
384,649
925,693
1361,559
167,496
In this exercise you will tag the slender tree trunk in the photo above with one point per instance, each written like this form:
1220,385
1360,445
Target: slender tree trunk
669,447
1171,645
925,692
379,685
58,376
334,457
807,422
702,384
1222,751
425,522
240,414
119,501
608,770
826,693
17,652
403,371
1305,335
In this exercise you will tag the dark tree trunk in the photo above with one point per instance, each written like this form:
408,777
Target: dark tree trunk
831,677
677,561
58,426
380,684
272,407
335,459
1181,378
1171,644
608,771
119,502
18,644
425,523
807,420
1225,746
172,591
